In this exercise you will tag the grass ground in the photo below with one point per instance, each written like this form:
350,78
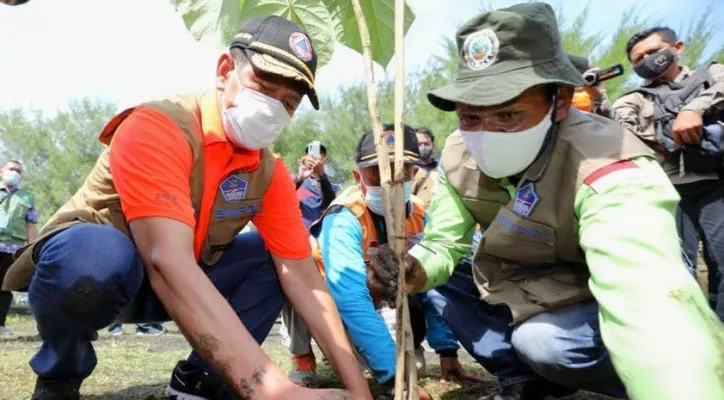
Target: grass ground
138,368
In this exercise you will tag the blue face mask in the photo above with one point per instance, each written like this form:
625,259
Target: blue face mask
11,178
374,197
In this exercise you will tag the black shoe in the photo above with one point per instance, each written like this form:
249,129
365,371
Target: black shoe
48,389
534,390
190,383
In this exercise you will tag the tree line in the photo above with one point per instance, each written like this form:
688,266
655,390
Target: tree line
58,151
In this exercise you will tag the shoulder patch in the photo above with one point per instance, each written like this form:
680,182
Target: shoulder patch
614,173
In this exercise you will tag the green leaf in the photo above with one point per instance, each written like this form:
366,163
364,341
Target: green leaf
380,16
212,22
311,14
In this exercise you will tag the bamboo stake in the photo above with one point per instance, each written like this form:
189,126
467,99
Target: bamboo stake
406,369
394,211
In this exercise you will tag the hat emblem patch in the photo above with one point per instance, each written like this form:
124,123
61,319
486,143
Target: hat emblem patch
481,49
301,46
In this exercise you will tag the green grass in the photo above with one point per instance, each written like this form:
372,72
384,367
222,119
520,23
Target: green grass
138,368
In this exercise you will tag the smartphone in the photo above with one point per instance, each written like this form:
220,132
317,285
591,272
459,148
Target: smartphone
314,149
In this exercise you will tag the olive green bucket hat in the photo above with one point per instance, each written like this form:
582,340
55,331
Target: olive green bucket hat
505,52
581,63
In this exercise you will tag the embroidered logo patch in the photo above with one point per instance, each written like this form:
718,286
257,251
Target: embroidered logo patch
301,46
481,49
233,188
525,200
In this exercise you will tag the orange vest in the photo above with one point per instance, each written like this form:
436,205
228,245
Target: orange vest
582,101
353,199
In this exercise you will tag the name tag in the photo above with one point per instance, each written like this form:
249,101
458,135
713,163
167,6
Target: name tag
243,211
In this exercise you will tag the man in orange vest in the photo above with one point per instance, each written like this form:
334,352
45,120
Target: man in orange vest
152,234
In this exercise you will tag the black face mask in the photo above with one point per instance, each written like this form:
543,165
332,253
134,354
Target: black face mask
653,66
425,152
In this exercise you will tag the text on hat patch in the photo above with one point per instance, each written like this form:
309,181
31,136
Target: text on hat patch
301,46
481,49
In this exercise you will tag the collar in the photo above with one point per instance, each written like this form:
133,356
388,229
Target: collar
539,165
213,129
684,71
430,165
7,189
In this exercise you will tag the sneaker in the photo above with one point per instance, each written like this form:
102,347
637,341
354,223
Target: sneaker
535,390
190,383
47,389
304,370
150,329
420,361
5,331
115,330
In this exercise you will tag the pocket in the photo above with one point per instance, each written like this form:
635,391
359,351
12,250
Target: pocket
560,288
513,238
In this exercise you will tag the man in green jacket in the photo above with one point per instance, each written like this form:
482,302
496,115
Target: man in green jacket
18,221
580,244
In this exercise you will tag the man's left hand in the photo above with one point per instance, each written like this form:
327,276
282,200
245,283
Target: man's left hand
451,369
687,128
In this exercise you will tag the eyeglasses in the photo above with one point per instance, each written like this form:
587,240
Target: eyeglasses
497,121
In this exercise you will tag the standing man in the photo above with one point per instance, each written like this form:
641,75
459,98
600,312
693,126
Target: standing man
426,174
314,189
579,244
680,114
590,98
18,220
152,234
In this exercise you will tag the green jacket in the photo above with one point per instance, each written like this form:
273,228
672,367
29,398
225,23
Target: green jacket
13,210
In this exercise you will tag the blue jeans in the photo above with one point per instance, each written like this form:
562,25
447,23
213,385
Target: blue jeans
701,216
89,276
563,346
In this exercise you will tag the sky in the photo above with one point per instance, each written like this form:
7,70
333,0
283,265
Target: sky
54,51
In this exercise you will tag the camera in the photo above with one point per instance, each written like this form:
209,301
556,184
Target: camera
601,75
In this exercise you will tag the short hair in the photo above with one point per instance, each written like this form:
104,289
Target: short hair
667,35
14,162
426,131
240,57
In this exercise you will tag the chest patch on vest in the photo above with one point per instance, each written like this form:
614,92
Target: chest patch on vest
525,200
233,188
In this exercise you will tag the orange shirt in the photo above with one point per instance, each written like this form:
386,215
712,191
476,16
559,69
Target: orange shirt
151,164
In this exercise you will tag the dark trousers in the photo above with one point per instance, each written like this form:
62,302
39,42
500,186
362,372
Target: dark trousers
700,216
89,276
6,298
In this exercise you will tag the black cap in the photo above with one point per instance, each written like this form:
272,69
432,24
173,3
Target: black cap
281,47
365,154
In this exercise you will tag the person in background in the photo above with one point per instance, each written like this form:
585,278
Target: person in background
688,142
589,98
426,174
18,219
314,189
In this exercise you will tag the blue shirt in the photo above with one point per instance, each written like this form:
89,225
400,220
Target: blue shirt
340,241
314,196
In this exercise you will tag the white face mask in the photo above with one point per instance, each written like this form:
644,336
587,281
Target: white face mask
374,196
500,154
255,121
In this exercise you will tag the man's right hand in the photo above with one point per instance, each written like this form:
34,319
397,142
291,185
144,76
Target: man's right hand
306,167
382,274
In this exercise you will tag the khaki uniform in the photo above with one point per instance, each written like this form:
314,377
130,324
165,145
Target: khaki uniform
634,112
533,263
422,184
98,202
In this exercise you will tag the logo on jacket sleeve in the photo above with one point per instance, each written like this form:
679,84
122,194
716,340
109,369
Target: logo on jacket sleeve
525,200
233,188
